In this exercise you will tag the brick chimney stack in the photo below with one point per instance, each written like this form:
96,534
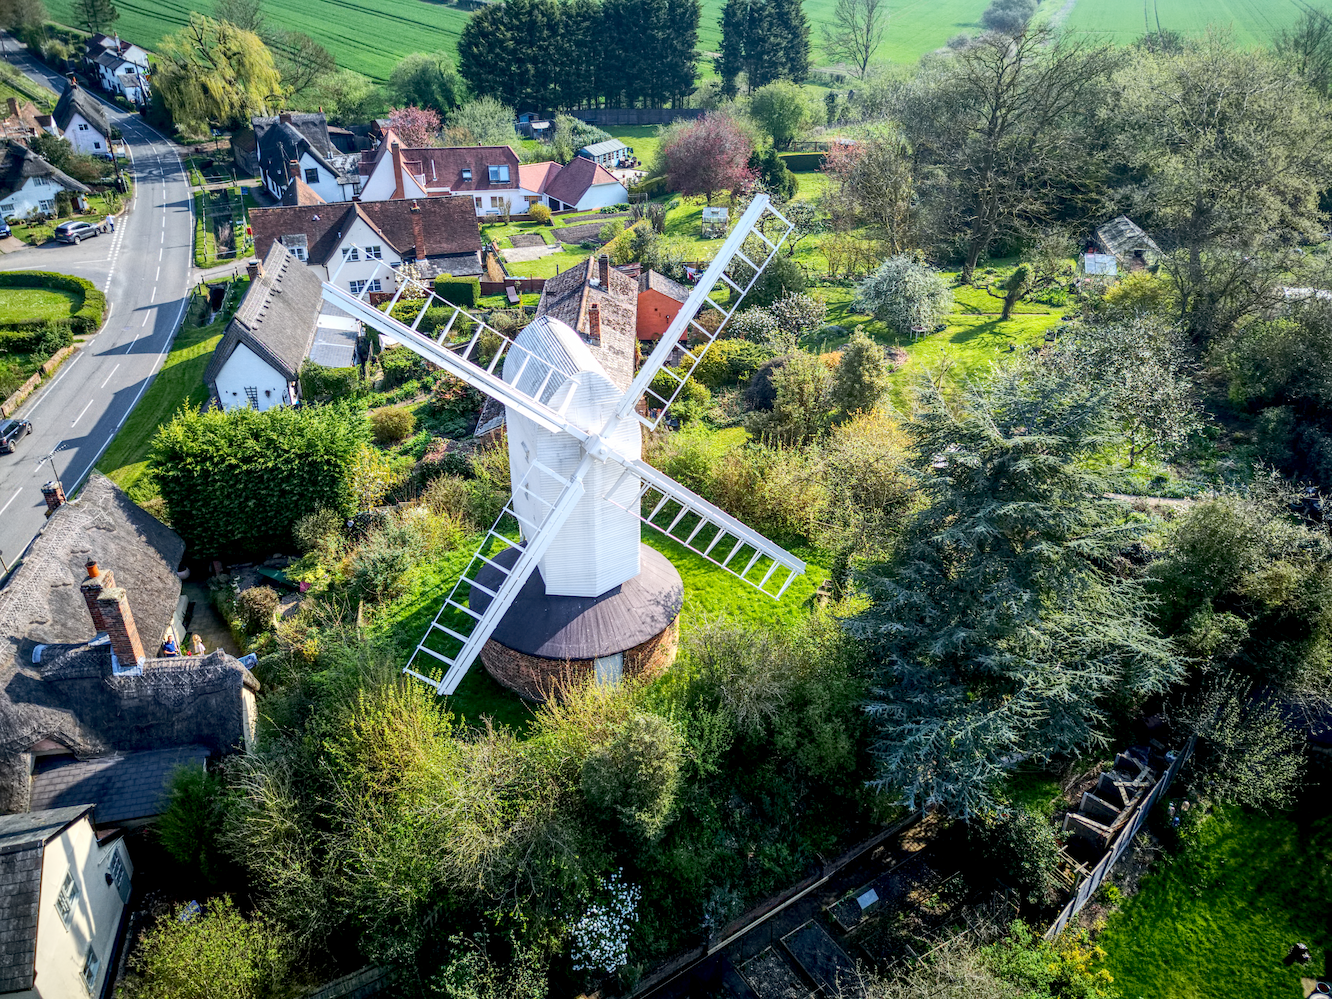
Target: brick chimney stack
396,151
603,271
418,231
254,268
294,169
594,322
108,604
13,106
284,118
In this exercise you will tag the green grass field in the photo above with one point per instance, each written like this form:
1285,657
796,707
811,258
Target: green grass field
1216,921
1253,22
17,304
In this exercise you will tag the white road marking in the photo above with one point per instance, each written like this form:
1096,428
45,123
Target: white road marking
108,377
85,409
145,317
153,296
63,372
159,274
11,499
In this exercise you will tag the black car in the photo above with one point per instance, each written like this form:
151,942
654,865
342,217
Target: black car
10,433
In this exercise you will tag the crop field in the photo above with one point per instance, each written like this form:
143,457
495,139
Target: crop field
1253,22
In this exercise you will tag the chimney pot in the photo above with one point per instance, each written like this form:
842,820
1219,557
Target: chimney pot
73,81
603,268
91,566
254,268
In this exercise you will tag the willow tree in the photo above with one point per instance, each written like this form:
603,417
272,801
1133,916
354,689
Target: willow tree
214,73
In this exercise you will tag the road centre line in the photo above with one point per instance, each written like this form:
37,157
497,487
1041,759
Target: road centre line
108,377
84,410
11,499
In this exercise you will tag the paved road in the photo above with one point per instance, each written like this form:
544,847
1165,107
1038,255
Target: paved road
144,268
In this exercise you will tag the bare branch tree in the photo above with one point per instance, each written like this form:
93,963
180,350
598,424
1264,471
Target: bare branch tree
856,31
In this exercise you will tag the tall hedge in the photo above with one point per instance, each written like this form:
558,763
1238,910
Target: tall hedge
236,482
84,322
464,291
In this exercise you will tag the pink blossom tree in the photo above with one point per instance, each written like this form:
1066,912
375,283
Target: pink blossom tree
416,127
707,156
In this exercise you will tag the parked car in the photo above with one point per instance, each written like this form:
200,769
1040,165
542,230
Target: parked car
72,232
11,432
4,229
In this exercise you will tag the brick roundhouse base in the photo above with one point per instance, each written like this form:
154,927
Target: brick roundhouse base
534,678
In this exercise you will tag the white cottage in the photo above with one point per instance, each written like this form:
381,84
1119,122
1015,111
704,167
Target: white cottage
62,898
82,120
29,184
297,148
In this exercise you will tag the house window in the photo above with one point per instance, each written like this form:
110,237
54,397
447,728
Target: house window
47,206
609,669
374,253
499,174
312,175
252,393
83,127
69,894
356,286
478,204
40,182
119,876
7,209
350,253
296,245
97,145
496,202
91,964
467,174
373,285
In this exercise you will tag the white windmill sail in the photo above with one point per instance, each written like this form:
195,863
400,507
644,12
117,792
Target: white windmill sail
538,387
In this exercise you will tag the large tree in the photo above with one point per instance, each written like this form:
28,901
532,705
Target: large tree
247,15
706,156
301,61
427,80
855,32
213,72
96,15
1235,150
782,110
766,40
1000,125
998,630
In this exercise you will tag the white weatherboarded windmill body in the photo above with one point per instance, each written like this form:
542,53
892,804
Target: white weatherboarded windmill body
581,491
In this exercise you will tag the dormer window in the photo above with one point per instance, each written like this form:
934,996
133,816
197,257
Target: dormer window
467,174
499,174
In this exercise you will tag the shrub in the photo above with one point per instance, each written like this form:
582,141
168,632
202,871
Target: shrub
782,276
728,362
216,954
391,425
189,828
539,213
321,384
380,562
315,528
1020,849
256,607
609,230
691,392
636,774
905,294
862,375
237,481
401,365
464,291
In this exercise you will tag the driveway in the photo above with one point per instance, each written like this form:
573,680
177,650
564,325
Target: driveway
144,268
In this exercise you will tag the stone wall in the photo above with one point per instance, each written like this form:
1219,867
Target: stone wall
534,677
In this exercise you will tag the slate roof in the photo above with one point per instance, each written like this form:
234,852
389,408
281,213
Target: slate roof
567,296
111,61
70,693
576,178
75,98
276,318
562,628
125,786
22,840
335,338
449,225
18,163
650,280
284,138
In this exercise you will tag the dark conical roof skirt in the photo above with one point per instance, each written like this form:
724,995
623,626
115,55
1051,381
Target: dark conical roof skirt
553,627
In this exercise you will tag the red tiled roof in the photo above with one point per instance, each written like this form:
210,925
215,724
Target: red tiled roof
535,176
440,167
449,225
574,180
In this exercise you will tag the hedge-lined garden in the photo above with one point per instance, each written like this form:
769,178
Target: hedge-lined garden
35,326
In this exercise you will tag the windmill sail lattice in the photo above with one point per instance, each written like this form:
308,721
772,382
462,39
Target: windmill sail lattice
564,395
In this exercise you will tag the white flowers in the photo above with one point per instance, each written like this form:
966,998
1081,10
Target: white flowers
601,935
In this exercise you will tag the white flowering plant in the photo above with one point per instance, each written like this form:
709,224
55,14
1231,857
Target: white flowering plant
600,936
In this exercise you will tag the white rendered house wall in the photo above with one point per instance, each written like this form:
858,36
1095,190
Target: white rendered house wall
246,379
85,138
355,255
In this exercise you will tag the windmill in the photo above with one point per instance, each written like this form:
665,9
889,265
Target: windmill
580,489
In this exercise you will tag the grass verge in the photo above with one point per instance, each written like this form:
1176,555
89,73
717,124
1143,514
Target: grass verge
17,304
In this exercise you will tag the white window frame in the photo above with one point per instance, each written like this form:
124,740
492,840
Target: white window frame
91,965
374,285
83,127
46,206
356,286
351,253
119,876
69,894
297,244
375,252
7,209
499,174
467,173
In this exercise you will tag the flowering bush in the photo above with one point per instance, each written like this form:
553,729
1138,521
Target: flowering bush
601,935
905,294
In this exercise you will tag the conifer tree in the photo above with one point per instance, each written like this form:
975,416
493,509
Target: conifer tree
96,15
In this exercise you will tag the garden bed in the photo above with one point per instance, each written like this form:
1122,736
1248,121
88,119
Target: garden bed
574,234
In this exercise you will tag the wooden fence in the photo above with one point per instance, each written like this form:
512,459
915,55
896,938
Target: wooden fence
1087,887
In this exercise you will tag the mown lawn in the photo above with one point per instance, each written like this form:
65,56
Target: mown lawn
179,383
17,304
1216,921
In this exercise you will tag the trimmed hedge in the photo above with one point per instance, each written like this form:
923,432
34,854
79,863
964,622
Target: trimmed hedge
35,336
653,187
804,161
86,321
464,291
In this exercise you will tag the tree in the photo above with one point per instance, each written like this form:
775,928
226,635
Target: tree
861,377
417,127
873,185
23,17
1235,149
800,410
636,774
96,15
782,110
766,40
855,33
1008,17
52,148
1147,372
905,294
427,81
1306,46
211,71
301,61
707,155
248,15
999,628
1015,288
348,97
486,120
214,954
772,174
998,126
